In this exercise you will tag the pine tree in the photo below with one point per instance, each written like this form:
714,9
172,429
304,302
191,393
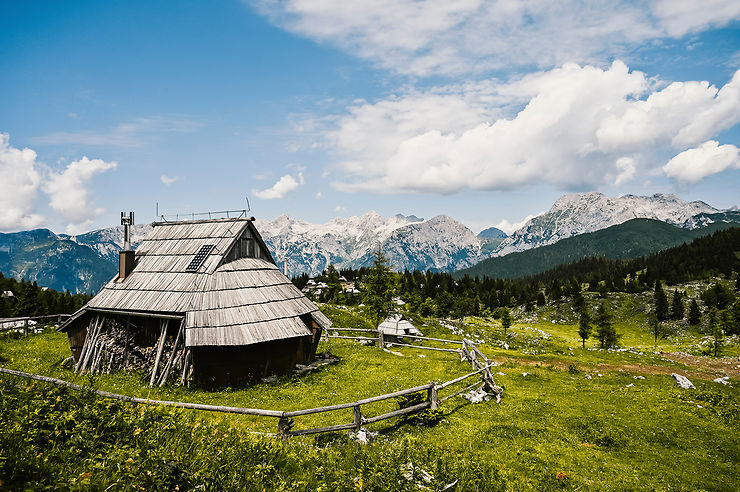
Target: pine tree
379,289
578,300
715,328
584,326
694,313
541,301
505,319
677,307
661,302
605,331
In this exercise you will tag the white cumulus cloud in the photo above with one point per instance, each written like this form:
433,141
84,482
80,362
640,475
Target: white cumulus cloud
168,180
19,184
573,127
69,193
510,227
284,185
709,158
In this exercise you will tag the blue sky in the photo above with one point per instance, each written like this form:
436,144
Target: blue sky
484,111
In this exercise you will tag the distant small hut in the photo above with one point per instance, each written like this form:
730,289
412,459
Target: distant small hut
398,327
200,300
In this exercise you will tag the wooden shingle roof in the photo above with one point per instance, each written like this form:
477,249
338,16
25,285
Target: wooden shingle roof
238,302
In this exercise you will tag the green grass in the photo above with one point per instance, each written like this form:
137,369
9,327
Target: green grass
599,433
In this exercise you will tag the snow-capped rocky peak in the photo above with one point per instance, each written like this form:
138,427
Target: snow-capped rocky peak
574,214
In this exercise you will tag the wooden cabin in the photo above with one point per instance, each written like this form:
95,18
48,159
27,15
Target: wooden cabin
202,300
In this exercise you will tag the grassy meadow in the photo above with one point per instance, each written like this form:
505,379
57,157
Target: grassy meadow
570,418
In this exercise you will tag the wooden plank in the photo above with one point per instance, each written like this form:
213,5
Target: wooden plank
373,399
467,388
351,338
399,412
168,366
395,344
318,430
160,348
443,340
462,378
354,329
144,401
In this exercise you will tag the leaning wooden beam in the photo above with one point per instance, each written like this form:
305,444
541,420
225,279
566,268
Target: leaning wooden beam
341,406
91,342
145,401
467,388
185,365
85,344
160,348
462,378
168,366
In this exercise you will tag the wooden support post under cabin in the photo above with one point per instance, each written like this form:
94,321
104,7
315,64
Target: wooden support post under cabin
380,339
160,348
168,366
85,346
358,418
433,397
89,347
185,365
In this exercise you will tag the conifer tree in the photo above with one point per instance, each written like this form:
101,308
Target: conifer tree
677,307
584,326
694,313
715,329
505,319
379,289
605,331
661,302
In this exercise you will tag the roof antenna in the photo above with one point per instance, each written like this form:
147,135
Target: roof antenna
249,209
127,220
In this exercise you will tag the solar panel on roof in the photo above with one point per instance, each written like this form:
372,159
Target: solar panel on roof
199,257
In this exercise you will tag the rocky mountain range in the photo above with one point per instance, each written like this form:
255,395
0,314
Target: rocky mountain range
83,263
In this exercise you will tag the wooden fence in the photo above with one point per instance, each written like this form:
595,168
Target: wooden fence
382,341
8,324
285,418
481,366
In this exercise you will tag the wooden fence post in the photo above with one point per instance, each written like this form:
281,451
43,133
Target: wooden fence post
380,339
432,396
358,418
25,327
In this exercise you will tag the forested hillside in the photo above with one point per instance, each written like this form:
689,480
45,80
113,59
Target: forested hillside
632,239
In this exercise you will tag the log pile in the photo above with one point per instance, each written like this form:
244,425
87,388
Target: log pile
110,346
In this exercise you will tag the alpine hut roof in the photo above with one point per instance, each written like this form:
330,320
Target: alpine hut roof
397,326
219,275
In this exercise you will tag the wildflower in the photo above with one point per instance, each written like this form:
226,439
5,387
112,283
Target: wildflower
561,476
129,461
137,431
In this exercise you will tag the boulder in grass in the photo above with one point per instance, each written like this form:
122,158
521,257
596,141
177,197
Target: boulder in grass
725,380
683,381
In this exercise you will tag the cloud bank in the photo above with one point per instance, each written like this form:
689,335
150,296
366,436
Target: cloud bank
465,36
574,127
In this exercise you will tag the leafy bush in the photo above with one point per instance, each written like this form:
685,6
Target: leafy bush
423,418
